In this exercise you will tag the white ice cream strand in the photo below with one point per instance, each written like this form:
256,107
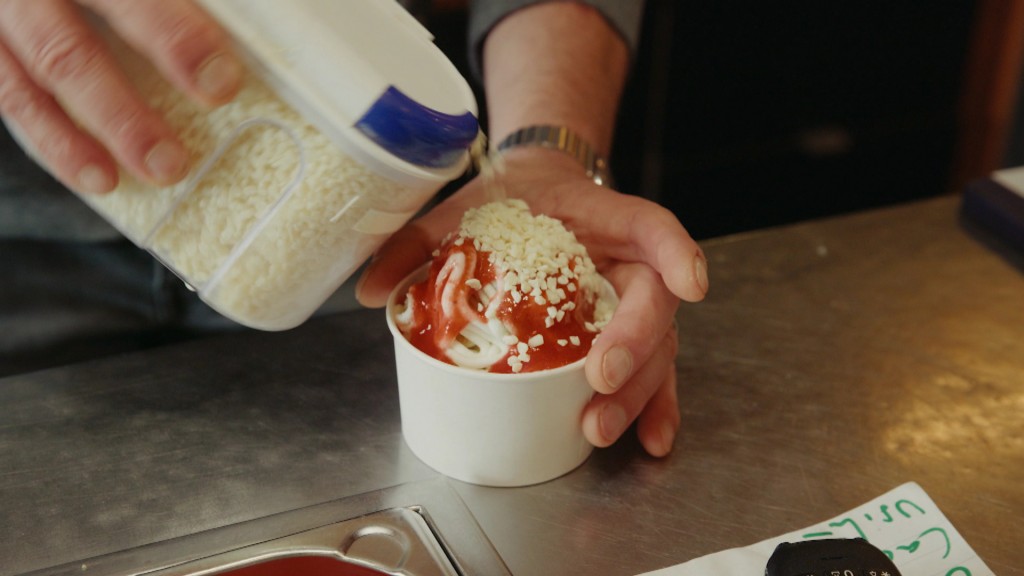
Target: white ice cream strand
479,345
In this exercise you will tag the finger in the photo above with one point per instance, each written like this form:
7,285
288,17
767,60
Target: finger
607,416
658,423
40,125
676,256
633,335
637,230
187,45
65,57
646,232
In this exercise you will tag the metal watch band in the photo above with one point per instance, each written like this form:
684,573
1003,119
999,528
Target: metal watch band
565,140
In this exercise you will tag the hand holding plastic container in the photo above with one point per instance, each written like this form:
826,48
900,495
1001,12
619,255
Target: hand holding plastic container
349,121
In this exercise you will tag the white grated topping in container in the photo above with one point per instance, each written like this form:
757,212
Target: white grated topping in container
283,203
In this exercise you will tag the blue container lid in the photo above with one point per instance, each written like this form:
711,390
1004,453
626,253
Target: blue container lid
417,133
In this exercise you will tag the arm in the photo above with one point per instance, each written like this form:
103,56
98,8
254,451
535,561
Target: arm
563,63
555,63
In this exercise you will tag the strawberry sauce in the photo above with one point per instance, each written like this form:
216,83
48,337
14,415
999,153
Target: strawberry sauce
442,310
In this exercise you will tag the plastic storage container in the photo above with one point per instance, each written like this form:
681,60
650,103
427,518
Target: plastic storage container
349,121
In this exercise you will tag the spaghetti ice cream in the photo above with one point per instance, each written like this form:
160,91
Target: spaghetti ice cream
490,339
507,292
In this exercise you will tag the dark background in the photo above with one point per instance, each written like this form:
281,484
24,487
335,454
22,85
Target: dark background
741,115
763,113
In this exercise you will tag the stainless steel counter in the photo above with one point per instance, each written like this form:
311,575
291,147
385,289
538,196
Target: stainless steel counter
831,362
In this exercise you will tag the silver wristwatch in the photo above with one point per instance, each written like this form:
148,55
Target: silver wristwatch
561,138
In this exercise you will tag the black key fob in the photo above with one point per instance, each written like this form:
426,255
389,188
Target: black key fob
829,557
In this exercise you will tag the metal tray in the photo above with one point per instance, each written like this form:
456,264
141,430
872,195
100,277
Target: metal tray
420,529
394,542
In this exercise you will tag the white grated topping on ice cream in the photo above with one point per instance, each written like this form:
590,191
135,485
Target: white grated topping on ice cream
535,302
540,256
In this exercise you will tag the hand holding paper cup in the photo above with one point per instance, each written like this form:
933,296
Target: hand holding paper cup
490,341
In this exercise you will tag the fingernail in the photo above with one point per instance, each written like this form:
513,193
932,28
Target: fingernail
94,180
617,366
218,77
167,161
668,437
700,272
360,283
613,422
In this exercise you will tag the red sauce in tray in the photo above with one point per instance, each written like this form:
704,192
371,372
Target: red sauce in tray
303,566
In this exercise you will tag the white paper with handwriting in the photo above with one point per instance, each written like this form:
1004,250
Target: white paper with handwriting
904,523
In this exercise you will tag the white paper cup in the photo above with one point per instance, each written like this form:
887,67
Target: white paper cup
485,428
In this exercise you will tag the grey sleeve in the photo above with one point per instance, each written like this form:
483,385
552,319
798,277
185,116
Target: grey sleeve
626,16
